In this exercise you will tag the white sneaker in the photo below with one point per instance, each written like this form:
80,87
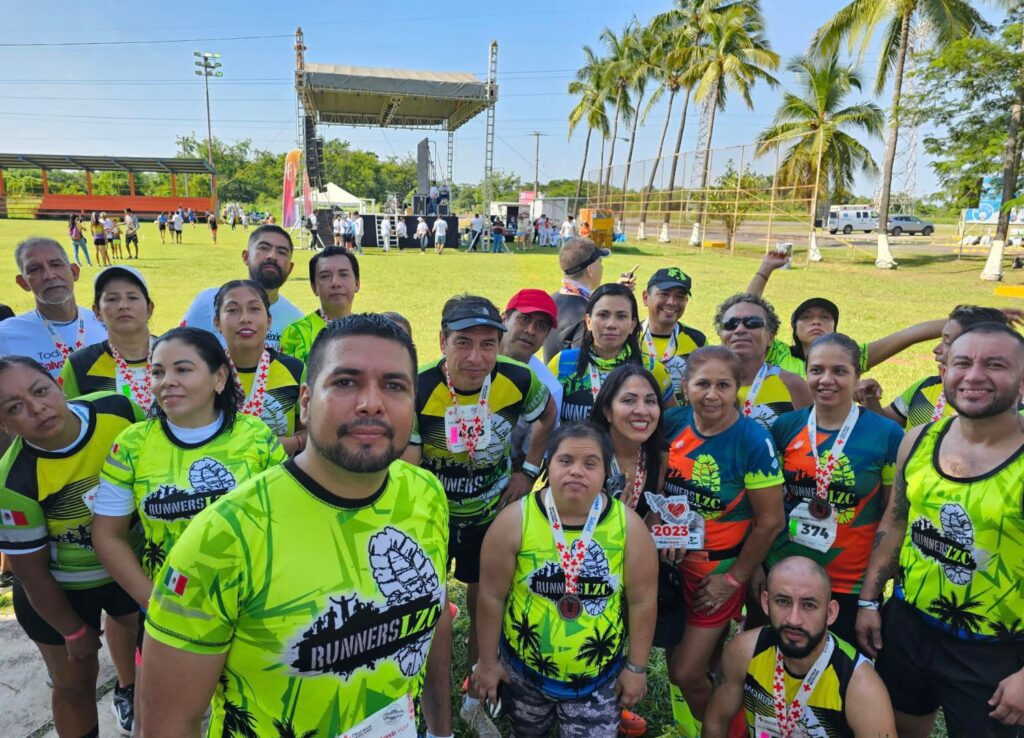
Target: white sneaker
479,722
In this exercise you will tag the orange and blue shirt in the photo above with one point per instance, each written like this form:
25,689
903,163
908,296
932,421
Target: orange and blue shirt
716,472
867,463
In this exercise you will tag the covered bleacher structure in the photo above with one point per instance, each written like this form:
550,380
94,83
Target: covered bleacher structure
331,94
54,205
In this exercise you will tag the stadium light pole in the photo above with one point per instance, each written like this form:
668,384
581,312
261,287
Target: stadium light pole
207,66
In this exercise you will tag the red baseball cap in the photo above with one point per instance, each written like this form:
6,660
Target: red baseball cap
534,301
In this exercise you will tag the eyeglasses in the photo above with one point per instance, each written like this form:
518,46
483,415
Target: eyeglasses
750,322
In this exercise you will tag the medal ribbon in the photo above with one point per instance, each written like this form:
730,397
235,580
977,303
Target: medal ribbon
482,416
823,472
670,349
755,387
638,479
595,379
142,391
790,718
254,400
571,287
940,407
61,346
570,557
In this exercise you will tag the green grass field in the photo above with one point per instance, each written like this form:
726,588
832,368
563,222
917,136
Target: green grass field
873,302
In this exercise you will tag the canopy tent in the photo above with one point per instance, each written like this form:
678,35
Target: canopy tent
390,98
334,196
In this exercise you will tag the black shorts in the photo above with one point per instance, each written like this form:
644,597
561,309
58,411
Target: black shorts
925,668
464,546
348,238
131,238
99,240
87,603
845,625
163,226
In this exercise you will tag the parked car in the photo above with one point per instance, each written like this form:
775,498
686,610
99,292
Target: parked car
909,224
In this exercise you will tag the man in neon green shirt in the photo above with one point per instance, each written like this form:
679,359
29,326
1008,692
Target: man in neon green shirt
305,602
334,279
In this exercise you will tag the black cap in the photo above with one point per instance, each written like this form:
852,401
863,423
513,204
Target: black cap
666,279
119,272
577,254
816,302
468,315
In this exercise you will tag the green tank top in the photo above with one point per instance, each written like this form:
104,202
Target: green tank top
963,557
566,658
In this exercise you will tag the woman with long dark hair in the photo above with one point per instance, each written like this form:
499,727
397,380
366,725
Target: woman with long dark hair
99,240
610,339
48,483
78,240
195,447
268,379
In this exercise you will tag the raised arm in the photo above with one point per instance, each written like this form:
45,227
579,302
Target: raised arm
888,346
772,260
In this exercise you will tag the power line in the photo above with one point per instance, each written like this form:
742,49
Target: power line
134,41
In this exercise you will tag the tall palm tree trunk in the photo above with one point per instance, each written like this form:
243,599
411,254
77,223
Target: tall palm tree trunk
632,142
611,149
583,171
645,194
697,236
675,158
600,168
883,257
1011,161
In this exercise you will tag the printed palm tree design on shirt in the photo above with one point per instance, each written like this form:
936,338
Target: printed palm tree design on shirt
1008,631
238,722
577,682
543,664
287,730
599,647
527,633
152,558
958,614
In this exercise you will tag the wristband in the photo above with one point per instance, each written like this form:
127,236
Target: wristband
733,581
531,470
630,666
869,604
78,633
762,276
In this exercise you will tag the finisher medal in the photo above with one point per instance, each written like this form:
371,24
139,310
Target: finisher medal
820,509
569,607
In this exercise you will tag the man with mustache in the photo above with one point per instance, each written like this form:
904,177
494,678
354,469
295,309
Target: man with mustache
664,336
952,535
57,325
467,404
305,604
793,677
269,258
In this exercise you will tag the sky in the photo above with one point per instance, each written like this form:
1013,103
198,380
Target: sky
87,78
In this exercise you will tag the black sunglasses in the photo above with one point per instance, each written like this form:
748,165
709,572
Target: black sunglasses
750,322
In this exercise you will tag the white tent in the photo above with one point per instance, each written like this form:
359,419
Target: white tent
335,196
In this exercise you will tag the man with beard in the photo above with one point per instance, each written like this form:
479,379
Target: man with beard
794,677
467,404
269,258
306,602
57,325
953,530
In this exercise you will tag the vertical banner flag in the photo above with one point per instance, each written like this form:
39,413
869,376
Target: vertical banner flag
291,172
307,193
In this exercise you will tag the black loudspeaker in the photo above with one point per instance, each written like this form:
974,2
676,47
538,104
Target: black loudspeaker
325,226
419,204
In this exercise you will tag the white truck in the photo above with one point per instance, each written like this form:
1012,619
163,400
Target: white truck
850,218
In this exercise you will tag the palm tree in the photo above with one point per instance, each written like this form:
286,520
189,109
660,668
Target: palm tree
732,54
591,108
957,615
153,556
544,665
681,28
639,44
856,22
1008,631
527,634
616,77
287,730
814,128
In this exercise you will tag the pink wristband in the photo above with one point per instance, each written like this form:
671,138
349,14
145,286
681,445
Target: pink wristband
733,581
77,634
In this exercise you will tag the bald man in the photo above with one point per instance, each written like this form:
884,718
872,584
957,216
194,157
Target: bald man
845,696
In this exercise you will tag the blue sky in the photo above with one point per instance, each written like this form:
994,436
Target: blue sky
133,99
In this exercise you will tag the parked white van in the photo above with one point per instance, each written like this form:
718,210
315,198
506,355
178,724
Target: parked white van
850,218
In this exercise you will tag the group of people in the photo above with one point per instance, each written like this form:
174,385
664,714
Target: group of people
545,233
269,508
106,232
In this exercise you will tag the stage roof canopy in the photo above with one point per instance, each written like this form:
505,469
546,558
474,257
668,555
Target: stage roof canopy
391,98
133,164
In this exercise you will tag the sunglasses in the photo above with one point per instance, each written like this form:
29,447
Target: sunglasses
750,322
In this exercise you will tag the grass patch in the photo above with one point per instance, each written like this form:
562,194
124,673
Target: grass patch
6,603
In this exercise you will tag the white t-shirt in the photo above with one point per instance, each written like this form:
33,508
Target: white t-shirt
337,226
178,220
385,227
26,335
421,229
568,229
312,221
441,228
477,224
522,433
434,192
358,227
200,315
403,229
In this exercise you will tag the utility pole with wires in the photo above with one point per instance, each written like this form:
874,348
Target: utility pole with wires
536,165
207,66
